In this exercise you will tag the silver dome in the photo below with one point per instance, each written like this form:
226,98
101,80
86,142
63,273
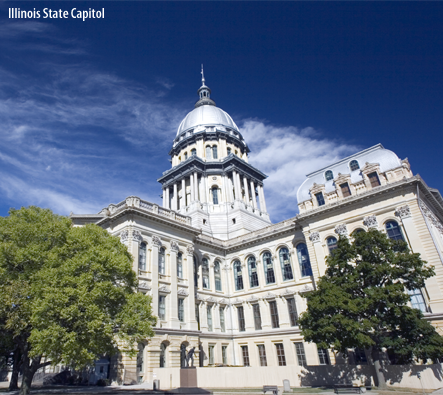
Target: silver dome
206,115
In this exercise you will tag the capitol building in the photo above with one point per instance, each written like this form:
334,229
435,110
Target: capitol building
226,280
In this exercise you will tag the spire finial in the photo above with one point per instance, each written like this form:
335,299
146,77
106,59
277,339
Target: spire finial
203,77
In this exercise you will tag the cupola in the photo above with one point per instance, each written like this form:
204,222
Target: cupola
204,94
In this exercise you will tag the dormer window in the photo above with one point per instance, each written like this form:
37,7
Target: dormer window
345,190
320,199
373,178
354,165
329,175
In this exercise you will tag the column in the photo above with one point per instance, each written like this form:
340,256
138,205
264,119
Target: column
205,189
164,198
230,189
249,317
245,185
167,197
240,197
173,302
175,198
283,313
191,178
253,196
236,185
183,205
196,186
261,197
190,299
265,314
154,272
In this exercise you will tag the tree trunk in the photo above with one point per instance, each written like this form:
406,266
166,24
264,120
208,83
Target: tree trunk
17,361
379,373
29,369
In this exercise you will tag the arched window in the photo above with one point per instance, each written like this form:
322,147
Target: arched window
161,261
195,272
163,355
217,276
358,230
185,155
205,274
331,242
214,152
140,362
285,262
354,165
394,231
214,191
269,268
303,260
180,265
238,278
229,150
208,152
193,152
253,275
142,256
329,175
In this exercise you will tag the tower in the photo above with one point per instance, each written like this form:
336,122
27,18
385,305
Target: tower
211,180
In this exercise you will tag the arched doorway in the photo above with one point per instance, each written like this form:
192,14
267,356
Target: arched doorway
163,347
140,362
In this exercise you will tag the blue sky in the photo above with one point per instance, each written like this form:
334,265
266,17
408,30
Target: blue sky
88,110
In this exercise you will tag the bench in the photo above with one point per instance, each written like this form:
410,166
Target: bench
272,388
346,389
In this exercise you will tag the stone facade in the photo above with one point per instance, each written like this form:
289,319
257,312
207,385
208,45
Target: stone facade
224,279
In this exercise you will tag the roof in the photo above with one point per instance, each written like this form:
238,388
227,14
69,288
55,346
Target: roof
376,154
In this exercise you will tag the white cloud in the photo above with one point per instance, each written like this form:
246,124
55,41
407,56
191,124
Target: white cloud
286,154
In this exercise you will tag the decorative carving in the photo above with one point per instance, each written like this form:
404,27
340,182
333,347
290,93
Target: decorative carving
370,221
288,292
133,201
137,236
211,299
124,236
174,246
341,230
190,249
226,266
182,292
314,237
199,297
403,212
252,299
223,301
143,285
164,289
237,301
270,295
431,216
156,241
307,288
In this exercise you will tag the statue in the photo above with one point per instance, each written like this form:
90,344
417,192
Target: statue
190,356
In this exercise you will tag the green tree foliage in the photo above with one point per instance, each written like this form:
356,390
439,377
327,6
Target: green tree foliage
67,294
362,301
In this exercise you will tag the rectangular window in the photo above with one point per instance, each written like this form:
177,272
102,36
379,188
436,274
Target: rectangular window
222,319
225,355
214,195
346,191
162,307
274,314
323,356
257,316
292,310
373,178
360,357
241,319
280,354
301,356
417,300
262,354
211,354
320,199
245,354
181,309
209,315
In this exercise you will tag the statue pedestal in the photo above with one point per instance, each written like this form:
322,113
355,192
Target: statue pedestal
188,377
188,384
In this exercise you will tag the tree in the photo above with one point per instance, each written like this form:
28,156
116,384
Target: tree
361,302
67,294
